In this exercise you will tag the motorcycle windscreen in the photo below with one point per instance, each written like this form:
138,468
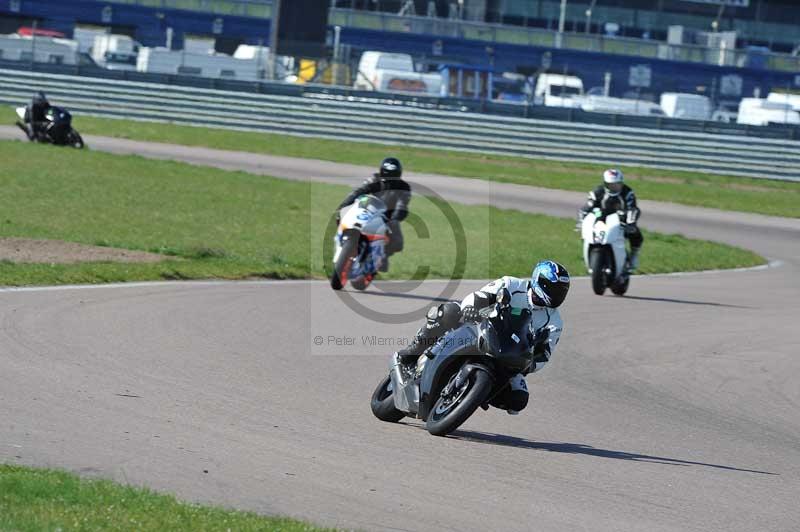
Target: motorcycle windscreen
508,339
371,203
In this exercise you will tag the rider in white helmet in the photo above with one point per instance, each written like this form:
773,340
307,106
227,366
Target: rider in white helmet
614,195
542,293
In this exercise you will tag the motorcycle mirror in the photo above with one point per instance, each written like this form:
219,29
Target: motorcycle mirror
503,296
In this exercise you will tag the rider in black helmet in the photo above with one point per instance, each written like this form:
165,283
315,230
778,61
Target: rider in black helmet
36,114
387,184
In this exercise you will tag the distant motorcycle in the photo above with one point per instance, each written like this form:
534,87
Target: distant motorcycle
58,129
464,370
360,243
604,251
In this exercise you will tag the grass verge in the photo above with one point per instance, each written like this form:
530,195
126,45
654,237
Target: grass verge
41,499
219,224
761,196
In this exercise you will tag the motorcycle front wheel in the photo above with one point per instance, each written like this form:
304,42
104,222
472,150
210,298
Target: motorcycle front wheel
382,403
449,412
342,266
597,264
75,140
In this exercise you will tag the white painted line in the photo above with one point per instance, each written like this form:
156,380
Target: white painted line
267,282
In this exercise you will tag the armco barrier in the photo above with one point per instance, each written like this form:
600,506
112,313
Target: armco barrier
331,114
777,131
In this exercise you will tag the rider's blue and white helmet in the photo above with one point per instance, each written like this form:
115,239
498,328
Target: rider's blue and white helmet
549,284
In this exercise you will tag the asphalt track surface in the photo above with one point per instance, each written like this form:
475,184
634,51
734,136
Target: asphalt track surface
676,408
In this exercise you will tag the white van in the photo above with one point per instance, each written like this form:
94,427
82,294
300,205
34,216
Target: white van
761,112
115,52
781,97
620,106
44,50
383,71
165,61
686,106
558,90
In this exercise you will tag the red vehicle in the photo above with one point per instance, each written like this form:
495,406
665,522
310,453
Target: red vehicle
39,32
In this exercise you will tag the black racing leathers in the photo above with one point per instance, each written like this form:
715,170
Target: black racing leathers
599,198
36,118
396,194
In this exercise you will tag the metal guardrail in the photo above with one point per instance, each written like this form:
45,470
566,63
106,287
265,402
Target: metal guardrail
333,116
776,131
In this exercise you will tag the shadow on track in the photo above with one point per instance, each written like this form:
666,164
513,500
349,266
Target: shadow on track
578,448
683,301
432,299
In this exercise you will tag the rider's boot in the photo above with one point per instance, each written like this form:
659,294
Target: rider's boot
518,395
384,265
438,321
633,260
424,339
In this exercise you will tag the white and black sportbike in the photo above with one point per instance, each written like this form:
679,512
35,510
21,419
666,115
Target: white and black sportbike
57,128
467,368
604,251
360,243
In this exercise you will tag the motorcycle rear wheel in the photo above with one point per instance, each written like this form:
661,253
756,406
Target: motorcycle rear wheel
382,403
444,418
361,283
619,288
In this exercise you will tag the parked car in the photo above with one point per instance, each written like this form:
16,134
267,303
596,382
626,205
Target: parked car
383,71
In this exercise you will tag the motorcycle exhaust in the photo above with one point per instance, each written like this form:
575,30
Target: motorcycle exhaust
405,392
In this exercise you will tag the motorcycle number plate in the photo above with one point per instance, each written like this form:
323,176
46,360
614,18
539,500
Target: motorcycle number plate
515,338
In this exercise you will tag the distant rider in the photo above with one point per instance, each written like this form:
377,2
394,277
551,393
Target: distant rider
388,185
612,196
36,115
543,293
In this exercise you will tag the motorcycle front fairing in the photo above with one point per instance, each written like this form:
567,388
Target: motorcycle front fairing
508,338
446,357
599,230
364,219
416,395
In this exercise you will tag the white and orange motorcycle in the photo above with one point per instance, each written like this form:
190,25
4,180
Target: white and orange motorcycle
360,243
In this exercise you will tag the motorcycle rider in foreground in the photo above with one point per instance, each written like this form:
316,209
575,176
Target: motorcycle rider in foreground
388,185
614,195
35,115
542,294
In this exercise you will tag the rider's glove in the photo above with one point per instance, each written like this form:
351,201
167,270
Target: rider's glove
470,314
541,349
